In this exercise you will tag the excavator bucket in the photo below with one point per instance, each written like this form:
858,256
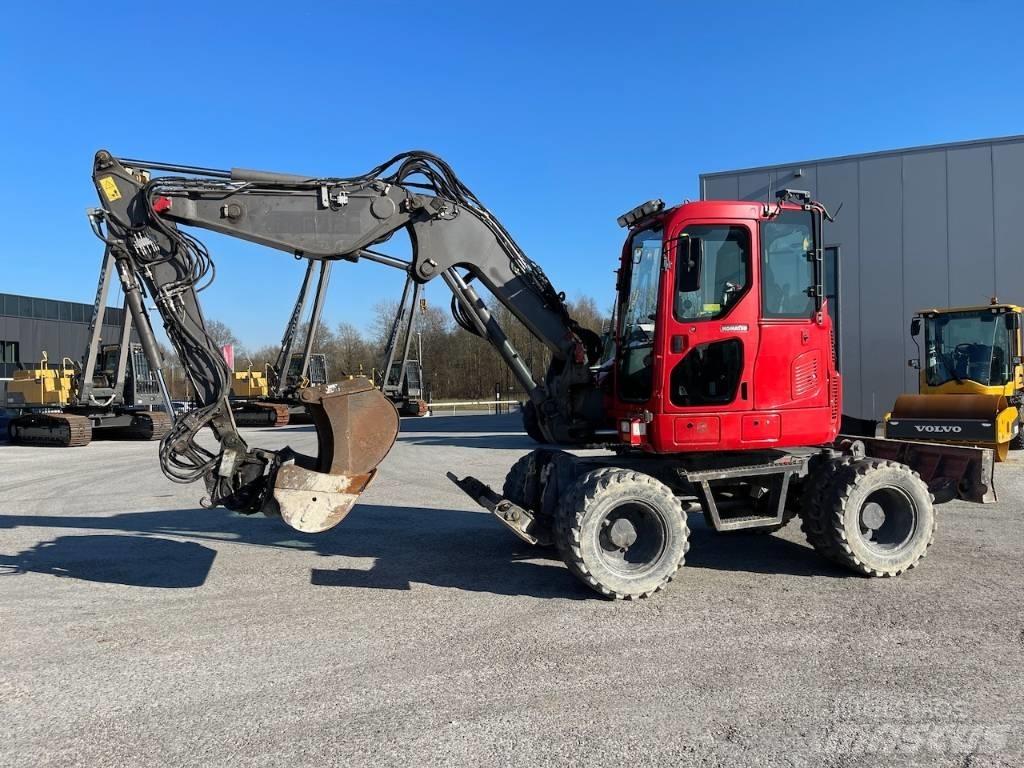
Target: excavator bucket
985,420
355,427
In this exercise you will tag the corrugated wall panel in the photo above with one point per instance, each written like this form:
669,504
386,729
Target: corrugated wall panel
925,255
755,186
1008,189
936,225
971,235
720,188
786,178
881,278
837,185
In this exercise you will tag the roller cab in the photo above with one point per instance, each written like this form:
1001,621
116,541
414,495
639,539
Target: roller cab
970,379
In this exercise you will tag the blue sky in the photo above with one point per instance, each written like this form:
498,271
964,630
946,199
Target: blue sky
560,116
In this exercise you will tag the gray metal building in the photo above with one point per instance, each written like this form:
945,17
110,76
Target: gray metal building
30,325
921,227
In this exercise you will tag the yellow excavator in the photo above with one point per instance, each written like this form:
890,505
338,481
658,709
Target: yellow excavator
68,404
971,379
112,392
269,397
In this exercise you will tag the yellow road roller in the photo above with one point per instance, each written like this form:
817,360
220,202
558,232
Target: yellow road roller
970,379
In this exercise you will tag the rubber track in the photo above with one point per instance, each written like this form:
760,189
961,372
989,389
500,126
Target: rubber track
153,426
572,510
72,431
261,415
300,417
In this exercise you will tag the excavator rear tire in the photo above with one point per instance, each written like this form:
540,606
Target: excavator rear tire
622,533
876,517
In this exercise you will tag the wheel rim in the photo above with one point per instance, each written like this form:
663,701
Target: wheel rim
887,520
631,538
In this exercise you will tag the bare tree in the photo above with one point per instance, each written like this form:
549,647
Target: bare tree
221,333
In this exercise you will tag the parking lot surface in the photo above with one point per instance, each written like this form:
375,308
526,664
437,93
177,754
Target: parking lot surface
141,629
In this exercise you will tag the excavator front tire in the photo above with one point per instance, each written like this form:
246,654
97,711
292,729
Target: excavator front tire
531,423
522,473
622,533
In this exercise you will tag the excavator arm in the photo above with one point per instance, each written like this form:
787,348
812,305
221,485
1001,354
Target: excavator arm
453,237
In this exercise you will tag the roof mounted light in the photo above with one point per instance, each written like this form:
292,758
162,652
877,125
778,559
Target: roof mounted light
641,212
795,195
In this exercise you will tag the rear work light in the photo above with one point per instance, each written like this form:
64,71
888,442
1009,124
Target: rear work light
632,431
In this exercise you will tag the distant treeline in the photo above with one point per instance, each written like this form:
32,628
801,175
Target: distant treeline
456,364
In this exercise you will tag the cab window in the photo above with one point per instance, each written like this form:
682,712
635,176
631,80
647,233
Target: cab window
787,269
712,270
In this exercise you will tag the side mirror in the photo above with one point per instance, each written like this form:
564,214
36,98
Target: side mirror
915,326
690,256
914,363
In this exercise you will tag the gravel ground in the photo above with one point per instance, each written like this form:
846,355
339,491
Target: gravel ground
140,629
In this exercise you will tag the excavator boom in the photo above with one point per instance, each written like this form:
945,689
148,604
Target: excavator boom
325,219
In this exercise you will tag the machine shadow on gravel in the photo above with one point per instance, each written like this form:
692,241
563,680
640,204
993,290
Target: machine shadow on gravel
134,561
407,545
754,553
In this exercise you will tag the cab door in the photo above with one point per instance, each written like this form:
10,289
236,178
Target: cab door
795,353
711,334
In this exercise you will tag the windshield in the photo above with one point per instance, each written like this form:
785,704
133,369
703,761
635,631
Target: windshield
961,346
639,307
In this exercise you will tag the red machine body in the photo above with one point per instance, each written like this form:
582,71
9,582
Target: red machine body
723,341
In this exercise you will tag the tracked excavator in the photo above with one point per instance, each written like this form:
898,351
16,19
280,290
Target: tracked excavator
113,392
970,380
401,379
722,398
269,397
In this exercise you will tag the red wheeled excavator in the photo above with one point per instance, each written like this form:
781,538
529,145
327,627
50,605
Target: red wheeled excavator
722,396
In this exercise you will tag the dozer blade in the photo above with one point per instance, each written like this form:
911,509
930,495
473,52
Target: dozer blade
983,420
355,428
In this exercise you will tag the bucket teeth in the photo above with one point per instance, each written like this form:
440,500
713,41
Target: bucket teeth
356,427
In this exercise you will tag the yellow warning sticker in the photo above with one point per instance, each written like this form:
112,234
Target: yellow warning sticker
110,188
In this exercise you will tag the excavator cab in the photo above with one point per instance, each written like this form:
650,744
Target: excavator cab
141,387
316,371
723,342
